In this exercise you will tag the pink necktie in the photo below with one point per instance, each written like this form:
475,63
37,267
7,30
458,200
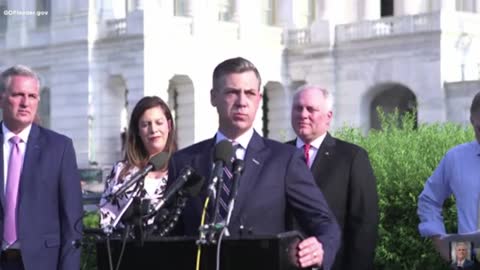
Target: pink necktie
13,179
306,152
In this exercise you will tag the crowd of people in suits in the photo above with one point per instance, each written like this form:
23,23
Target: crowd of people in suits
317,184
331,197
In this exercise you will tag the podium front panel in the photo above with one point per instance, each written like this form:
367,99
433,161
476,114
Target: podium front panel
180,253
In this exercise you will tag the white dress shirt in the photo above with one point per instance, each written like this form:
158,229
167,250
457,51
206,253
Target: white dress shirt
314,146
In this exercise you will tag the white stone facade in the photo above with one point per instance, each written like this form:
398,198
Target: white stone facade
98,58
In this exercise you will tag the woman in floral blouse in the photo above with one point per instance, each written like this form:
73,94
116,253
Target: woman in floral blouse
151,131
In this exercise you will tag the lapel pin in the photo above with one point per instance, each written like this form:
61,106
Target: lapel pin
327,153
255,161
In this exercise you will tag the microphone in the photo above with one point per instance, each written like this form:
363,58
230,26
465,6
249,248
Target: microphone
188,184
223,155
238,168
155,163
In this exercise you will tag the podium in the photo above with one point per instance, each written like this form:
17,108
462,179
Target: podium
251,252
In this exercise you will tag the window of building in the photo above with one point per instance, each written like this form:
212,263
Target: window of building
269,12
3,18
43,9
466,5
44,107
386,8
181,8
305,12
226,10
312,11
265,111
173,104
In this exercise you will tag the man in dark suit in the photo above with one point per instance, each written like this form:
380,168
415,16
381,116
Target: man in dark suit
343,172
462,259
275,179
40,202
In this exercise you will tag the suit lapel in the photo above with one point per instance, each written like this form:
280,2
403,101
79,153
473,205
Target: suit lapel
323,157
255,157
32,157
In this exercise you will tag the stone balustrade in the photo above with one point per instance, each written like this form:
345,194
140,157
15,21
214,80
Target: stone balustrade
298,37
389,26
116,27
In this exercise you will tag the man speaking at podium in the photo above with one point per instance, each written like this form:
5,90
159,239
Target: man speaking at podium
275,179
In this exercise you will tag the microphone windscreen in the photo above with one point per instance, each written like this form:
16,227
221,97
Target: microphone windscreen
223,152
158,161
194,185
238,166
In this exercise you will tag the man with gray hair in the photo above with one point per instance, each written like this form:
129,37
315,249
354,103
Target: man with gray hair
462,258
41,201
343,173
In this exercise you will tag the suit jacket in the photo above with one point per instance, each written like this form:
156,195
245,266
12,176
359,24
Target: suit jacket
49,208
275,179
467,265
343,172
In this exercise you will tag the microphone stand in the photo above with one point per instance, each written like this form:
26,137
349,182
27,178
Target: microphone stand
126,185
135,195
220,184
238,168
211,227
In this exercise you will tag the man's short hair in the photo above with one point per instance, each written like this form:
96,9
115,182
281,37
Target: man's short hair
17,70
233,65
326,94
475,107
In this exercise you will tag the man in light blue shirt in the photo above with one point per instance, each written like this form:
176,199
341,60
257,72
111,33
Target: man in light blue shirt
458,173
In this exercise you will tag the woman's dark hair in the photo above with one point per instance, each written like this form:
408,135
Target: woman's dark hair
136,155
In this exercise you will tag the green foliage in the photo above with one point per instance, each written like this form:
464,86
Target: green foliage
89,255
403,156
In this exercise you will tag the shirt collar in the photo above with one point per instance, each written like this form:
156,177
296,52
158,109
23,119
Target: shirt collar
7,134
242,140
315,143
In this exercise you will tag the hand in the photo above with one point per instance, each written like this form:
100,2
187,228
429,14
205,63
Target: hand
441,247
310,252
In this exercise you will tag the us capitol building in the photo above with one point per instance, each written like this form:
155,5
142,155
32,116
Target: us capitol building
97,58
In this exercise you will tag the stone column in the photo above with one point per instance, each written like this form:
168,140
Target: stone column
60,10
322,29
370,9
284,13
188,8
81,6
17,26
236,10
136,5
409,7
448,5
